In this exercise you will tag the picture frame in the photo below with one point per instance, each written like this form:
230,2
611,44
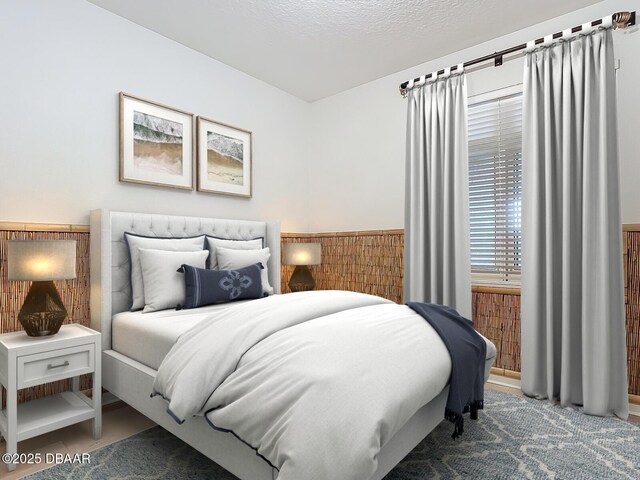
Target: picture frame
224,158
156,144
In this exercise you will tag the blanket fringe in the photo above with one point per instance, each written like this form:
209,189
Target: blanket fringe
458,420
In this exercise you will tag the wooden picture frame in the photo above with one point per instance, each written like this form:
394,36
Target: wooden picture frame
156,144
225,158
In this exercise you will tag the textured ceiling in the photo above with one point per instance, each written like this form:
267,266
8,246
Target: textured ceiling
316,48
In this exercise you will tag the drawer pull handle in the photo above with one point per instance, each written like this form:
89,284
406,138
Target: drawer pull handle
64,364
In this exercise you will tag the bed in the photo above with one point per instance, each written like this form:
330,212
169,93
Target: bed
135,344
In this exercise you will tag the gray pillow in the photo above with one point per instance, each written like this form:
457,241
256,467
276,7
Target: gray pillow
214,242
135,242
206,287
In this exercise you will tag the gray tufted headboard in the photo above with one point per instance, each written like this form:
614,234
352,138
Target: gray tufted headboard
110,280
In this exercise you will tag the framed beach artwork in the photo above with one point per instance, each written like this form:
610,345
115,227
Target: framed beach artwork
224,158
156,144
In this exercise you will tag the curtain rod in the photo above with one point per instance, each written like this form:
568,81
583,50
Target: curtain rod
620,20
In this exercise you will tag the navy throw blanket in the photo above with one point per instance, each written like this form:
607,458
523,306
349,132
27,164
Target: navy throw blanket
468,352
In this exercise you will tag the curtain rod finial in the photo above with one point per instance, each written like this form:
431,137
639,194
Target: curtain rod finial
624,19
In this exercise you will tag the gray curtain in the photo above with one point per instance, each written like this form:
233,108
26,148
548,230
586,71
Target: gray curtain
437,251
573,323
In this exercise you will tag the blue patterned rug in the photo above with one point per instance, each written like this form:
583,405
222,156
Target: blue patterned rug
515,438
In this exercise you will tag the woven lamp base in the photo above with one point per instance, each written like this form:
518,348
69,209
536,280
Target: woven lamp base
301,279
43,312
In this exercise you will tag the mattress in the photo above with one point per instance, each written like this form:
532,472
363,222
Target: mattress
148,337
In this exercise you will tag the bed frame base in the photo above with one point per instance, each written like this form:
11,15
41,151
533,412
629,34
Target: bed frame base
132,381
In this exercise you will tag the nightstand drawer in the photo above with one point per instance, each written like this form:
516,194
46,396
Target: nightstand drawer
55,365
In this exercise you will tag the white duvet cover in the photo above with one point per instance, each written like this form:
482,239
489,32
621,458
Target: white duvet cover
315,382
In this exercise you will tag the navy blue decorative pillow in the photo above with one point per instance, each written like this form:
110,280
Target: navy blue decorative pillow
205,287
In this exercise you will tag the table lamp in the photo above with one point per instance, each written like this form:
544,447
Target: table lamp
41,262
301,255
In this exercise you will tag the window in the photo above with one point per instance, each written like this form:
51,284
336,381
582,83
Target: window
495,185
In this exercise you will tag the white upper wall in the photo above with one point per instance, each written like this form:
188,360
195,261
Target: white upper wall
357,147
63,64
337,164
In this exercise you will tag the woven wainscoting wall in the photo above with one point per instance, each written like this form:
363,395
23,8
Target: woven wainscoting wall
497,317
74,293
367,262
632,301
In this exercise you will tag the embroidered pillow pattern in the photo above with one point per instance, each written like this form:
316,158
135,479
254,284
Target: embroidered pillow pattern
235,283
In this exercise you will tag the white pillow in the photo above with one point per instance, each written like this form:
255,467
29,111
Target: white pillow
163,286
137,241
214,242
229,259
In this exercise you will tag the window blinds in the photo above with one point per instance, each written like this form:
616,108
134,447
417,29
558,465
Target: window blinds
495,188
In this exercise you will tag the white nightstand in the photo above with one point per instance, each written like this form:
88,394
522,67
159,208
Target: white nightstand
28,361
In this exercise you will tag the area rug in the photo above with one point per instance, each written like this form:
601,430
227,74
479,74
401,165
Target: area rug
515,438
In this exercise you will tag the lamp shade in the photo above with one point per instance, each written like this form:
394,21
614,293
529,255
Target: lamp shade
41,260
301,254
